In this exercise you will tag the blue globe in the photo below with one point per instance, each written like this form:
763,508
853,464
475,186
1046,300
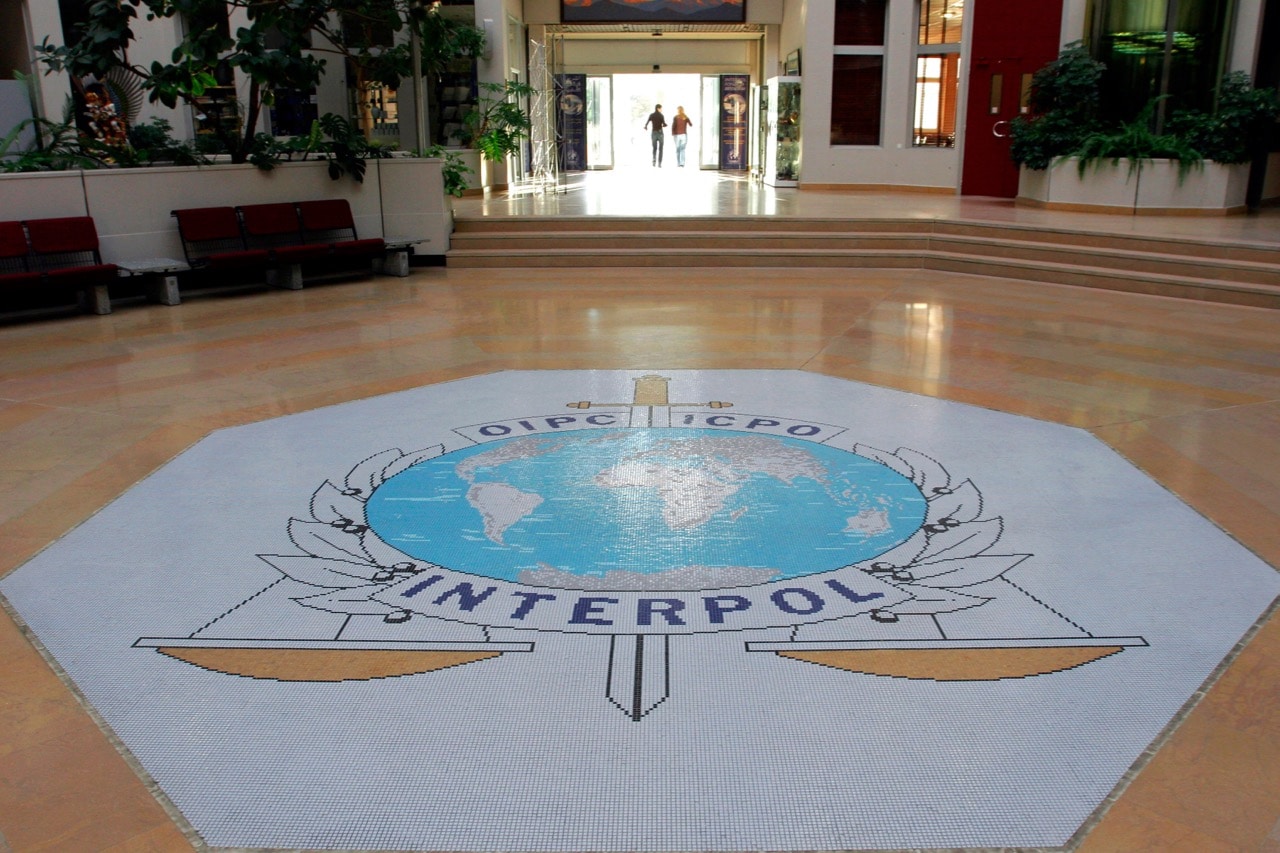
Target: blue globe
646,508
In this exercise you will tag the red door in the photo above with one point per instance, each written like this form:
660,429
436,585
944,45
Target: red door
1012,39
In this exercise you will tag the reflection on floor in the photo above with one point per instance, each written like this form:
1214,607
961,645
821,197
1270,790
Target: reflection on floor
686,192
1188,393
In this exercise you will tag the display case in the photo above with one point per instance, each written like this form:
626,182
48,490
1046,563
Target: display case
759,129
782,133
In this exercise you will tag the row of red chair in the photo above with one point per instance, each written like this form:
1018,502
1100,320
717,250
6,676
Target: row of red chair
52,255
281,234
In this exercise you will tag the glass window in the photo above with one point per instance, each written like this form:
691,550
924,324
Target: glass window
937,82
1154,48
860,22
937,73
858,72
599,122
941,21
856,82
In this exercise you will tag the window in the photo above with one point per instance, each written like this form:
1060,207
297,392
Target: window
857,76
860,22
937,73
1157,48
855,100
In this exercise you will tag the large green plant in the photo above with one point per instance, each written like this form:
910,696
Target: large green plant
1236,129
272,51
1064,122
1136,143
58,147
454,169
331,138
1064,109
497,124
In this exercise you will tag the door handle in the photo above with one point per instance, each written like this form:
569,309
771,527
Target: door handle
995,129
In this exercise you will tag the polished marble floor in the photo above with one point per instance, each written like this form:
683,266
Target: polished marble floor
1188,393
683,192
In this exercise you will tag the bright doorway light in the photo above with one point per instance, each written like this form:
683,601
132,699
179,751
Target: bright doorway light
634,96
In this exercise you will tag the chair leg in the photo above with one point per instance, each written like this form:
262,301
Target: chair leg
288,277
393,263
164,289
97,300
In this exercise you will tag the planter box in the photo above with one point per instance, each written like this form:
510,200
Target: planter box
131,207
475,180
1152,187
412,202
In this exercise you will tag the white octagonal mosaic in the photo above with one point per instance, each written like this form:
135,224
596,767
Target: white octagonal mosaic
642,611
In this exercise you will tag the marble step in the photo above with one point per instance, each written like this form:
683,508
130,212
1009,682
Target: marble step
746,226
1197,287
807,247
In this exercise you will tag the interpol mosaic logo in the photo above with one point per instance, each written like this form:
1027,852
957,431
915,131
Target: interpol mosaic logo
642,520
627,611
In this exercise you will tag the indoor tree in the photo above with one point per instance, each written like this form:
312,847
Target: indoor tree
279,49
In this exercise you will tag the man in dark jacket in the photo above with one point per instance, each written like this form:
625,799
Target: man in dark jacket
659,121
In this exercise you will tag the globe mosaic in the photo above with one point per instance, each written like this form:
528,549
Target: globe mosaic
646,509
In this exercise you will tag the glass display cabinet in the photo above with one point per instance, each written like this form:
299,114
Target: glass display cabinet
782,133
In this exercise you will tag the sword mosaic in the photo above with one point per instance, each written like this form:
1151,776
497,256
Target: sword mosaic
642,611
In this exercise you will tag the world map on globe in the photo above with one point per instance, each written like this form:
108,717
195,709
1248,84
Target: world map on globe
646,509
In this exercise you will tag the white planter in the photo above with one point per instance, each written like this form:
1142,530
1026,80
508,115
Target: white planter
131,207
1149,187
471,157
1215,188
413,203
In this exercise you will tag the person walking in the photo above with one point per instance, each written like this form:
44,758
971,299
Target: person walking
658,122
680,134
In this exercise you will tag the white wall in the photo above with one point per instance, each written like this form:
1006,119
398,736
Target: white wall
1247,36
42,195
790,36
15,108
408,201
53,89
1073,20
894,161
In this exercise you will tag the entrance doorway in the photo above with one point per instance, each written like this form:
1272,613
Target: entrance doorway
1012,39
634,96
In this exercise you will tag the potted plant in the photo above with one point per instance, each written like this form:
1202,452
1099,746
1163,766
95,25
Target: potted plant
453,171
497,125
1071,160
1064,109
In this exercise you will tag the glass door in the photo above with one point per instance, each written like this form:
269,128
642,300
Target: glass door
599,123
709,135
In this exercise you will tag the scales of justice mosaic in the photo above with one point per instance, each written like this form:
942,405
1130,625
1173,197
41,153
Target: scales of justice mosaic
636,522
641,611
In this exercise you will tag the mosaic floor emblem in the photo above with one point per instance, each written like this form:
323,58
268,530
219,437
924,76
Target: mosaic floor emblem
566,611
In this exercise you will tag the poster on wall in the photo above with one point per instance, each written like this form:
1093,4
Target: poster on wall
571,120
652,11
734,98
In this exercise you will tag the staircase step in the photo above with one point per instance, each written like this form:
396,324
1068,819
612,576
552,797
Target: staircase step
573,245
1238,273
934,228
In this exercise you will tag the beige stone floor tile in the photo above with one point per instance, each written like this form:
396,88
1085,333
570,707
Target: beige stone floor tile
73,793
1190,393
1132,829
1218,780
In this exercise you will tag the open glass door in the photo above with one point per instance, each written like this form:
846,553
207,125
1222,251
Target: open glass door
599,123
709,135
